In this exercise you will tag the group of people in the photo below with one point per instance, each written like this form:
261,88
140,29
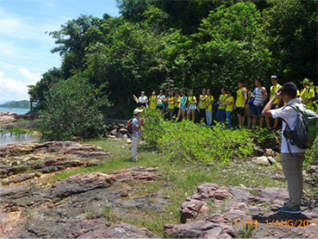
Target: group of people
292,157
248,103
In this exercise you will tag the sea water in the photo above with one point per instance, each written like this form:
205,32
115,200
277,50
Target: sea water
15,110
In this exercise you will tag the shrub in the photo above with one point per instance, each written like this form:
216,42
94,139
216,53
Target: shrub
72,109
190,141
154,125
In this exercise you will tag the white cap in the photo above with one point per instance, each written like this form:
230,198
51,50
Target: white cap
136,111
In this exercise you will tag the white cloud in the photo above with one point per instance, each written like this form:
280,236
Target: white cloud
12,89
33,78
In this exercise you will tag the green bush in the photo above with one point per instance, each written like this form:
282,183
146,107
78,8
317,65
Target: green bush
191,141
72,109
154,125
188,141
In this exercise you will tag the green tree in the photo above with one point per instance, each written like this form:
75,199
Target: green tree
73,109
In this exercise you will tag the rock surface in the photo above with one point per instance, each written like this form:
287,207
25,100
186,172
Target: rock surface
79,206
21,162
207,215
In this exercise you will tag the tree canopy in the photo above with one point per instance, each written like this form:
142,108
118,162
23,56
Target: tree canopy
186,45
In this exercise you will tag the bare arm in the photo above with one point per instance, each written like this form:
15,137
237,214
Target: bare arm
264,92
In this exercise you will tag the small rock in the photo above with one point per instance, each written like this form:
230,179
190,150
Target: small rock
258,151
269,152
5,181
128,141
124,194
272,160
114,132
262,160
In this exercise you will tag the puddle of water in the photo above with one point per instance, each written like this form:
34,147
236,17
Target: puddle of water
124,198
153,199
7,139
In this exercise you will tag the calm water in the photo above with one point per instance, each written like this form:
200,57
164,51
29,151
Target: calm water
4,140
15,110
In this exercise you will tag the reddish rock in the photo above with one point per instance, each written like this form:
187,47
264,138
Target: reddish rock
22,178
190,209
222,193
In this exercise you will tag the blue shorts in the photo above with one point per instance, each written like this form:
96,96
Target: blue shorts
220,115
257,110
192,107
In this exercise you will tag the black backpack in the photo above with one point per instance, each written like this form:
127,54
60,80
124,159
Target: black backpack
305,131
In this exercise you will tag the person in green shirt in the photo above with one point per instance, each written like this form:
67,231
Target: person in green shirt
229,105
153,101
220,114
307,94
208,107
201,105
276,103
192,105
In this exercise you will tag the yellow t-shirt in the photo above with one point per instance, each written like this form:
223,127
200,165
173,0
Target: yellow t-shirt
273,90
192,99
249,94
305,94
177,102
230,106
153,102
171,106
298,94
222,100
208,100
202,103
240,97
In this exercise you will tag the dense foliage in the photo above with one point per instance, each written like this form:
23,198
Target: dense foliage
190,44
72,109
18,104
193,142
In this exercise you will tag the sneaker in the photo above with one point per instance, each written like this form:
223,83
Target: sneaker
285,209
134,160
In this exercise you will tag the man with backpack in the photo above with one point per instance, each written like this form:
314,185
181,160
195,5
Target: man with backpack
299,130
136,133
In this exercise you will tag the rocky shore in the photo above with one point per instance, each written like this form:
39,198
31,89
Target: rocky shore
92,205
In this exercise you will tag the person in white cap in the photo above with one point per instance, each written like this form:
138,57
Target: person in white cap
137,122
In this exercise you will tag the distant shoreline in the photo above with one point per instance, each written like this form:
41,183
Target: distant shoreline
15,110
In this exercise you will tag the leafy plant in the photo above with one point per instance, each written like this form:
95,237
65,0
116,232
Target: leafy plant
190,141
72,109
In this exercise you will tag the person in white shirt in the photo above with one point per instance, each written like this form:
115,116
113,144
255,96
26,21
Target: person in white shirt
143,100
292,157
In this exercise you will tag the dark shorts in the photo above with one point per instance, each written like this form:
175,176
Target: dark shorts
273,106
202,113
257,110
240,111
160,107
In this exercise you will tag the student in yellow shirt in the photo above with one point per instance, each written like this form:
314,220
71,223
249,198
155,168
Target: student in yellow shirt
248,111
307,94
171,104
153,101
201,105
276,103
229,105
208,107
177,99
192,105
220,114
240,102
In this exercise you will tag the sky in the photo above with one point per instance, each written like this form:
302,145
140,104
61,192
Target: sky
24,45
